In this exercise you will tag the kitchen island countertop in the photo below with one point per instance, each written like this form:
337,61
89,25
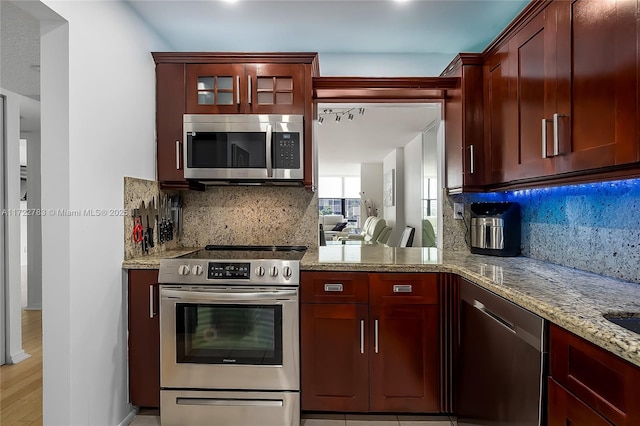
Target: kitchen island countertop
573,299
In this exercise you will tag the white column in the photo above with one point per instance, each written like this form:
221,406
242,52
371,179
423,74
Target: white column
34,223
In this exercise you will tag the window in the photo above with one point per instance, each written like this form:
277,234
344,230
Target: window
430,202
340,195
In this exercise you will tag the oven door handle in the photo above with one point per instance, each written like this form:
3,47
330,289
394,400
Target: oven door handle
216,295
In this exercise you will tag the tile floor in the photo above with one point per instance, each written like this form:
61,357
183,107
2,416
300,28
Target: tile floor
340,420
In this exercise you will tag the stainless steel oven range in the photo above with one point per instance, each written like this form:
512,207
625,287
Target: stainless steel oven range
229,337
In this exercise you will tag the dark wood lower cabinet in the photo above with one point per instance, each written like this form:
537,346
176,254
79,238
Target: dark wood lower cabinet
144,338
380,356
600,380
404,363
565,409
334,365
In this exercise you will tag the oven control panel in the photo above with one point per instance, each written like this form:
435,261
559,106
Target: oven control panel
229,272
226,270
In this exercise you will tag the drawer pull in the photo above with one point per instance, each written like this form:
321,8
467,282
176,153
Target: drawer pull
403,288
338,287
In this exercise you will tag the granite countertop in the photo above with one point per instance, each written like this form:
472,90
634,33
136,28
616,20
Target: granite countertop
152,261
572,299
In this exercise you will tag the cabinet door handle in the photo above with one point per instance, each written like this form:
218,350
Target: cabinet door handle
151,304
556,136
361,336
544,137
337,287
375,336
177,155
238,89
472,165
402,288
250,89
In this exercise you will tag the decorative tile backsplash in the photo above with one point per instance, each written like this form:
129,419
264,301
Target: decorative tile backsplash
593,227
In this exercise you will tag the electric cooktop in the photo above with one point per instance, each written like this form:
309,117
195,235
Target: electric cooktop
219,252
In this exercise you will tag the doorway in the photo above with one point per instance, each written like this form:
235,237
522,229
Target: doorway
20,59
368,141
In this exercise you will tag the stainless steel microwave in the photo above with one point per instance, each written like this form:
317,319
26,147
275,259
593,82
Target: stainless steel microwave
243,147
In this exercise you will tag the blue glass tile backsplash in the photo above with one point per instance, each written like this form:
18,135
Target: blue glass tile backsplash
593,227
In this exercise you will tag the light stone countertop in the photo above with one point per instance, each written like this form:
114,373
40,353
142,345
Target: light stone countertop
152,261
572,299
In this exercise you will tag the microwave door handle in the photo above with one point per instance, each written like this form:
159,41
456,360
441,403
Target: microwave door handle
269,153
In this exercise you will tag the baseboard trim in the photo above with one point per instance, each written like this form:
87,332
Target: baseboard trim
18,357
129,418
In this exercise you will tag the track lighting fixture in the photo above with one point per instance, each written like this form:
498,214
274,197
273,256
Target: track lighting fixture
338,114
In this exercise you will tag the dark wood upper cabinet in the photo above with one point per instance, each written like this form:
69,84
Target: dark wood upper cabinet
598,67
246,89
532,57
228,83
560,88
170,107
463,120
499,117
215,89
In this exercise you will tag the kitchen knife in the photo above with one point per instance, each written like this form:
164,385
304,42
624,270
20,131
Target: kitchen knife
150,227
145,224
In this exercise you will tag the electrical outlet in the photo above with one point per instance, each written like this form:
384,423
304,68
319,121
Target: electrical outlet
458,210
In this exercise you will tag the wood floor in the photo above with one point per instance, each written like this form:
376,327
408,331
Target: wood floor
21,384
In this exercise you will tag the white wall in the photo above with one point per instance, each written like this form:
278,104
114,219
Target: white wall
395,215
98,88
383,65
13,349
413,187
371,186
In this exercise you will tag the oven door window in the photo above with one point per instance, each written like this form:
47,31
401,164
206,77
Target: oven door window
229,334
226,150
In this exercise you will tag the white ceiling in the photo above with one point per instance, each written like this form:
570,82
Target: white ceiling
368,138
434,30
344,26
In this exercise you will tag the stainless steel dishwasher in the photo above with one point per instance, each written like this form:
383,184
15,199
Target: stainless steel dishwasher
503,358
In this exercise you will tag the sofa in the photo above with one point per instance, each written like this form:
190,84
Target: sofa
332,224
371,230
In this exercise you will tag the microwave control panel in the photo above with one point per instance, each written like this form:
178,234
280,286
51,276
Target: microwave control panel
286,150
